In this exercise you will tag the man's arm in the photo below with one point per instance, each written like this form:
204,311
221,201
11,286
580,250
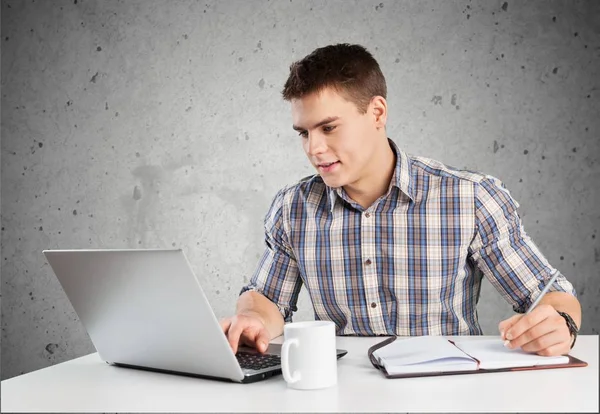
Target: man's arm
519,271
270,297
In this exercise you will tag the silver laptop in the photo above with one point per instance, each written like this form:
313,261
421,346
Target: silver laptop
146,309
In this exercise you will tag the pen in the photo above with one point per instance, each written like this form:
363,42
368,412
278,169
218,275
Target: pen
541,295
546,288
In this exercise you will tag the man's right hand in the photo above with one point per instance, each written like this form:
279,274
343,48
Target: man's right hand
246,329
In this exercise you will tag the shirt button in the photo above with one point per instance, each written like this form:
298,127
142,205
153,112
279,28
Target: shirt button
373,305
368,262
367,215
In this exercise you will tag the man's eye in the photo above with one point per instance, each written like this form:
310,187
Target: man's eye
303,134
328,128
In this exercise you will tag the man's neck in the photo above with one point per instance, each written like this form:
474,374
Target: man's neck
377,182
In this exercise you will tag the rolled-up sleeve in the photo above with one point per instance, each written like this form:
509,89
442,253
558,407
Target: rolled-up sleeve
505,253
276,276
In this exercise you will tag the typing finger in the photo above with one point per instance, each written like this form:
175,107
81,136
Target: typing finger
233,335
225,324
261,340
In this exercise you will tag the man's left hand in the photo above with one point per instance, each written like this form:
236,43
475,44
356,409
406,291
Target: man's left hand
542,331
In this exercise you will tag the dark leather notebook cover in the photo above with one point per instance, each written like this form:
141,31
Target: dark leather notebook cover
573,362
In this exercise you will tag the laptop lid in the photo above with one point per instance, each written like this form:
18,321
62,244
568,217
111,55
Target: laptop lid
145,308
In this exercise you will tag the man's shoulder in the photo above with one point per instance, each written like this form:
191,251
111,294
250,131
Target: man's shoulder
308,187
309,184
433,168
310,179
479,181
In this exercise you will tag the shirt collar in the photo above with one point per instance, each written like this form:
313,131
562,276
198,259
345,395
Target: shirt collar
400,179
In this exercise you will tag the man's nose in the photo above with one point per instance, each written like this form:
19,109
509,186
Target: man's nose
316,144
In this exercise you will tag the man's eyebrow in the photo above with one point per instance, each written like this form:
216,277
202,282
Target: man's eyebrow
318,124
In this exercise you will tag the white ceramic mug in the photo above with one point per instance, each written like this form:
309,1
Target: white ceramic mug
308,355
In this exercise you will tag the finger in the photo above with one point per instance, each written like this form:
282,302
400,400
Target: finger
532,339
233,335
262,340
225,324
506,324
544,335
555,350
553,323
541,344
531,334
256,336
248,338
528,320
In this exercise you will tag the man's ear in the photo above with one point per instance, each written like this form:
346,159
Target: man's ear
378,109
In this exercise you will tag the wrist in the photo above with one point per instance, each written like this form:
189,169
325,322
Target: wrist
573,329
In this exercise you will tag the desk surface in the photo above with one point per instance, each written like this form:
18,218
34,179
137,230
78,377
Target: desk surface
87,384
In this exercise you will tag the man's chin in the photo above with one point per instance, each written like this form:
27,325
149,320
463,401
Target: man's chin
333,182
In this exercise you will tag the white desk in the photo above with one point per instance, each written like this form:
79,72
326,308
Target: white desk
87,384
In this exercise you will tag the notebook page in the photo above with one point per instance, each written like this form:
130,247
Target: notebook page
492,354
423,354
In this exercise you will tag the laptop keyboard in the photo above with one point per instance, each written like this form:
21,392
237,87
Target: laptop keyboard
257,361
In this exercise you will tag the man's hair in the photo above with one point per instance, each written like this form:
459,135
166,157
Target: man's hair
349,69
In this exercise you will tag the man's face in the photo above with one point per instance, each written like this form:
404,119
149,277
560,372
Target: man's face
337,139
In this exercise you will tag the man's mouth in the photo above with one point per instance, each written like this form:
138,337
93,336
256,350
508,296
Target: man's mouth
327,166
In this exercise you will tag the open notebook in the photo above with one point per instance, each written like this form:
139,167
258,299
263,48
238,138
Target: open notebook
436,355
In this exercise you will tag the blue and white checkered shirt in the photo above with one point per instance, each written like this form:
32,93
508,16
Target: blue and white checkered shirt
410,264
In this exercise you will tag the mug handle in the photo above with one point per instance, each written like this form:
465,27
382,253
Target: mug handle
285,360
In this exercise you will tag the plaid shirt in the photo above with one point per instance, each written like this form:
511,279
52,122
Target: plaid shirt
411,263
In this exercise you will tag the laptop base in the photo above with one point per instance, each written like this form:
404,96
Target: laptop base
247,378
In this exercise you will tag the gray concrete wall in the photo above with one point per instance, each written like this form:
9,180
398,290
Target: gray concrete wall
159,124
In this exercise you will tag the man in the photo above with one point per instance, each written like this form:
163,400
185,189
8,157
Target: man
386,243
